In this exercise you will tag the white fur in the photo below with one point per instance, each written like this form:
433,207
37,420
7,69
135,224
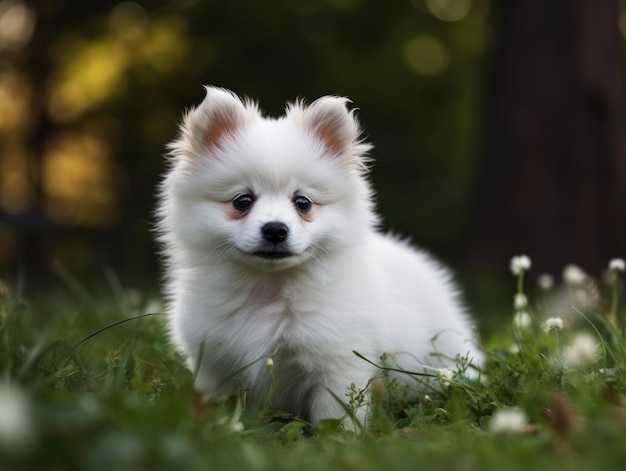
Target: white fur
345,286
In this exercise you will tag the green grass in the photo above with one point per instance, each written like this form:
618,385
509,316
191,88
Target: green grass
95,385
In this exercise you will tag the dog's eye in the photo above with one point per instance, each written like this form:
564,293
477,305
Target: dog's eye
242,202
302,204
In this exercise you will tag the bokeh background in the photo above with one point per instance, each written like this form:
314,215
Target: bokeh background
498,126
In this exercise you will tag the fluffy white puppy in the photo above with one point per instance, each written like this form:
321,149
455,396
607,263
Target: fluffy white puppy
272,250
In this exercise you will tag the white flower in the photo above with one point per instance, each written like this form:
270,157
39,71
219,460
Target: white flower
583,350
617,264
522,320
16,427
574,275
520,301
237,427
269,363
520,264
445,375
545,282
510,420
609,373
153,306
553,324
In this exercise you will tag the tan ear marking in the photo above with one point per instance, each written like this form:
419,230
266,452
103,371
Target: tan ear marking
220,115
330,120
221,125
331,139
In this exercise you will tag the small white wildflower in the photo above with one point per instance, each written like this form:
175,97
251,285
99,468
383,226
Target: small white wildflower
510,420
583,350
574,275
552,324
514,348
520,264
522,320
445,375
520,301
237,427
269,363
153,306
16,427
617,264
608,373
545,282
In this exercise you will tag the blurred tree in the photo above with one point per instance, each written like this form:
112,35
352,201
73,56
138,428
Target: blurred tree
553,180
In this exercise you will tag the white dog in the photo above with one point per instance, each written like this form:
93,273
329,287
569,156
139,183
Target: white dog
272,251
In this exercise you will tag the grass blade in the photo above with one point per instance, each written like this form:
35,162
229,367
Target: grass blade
110,326
389,368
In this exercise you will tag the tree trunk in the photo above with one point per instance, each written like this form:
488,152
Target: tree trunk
553,180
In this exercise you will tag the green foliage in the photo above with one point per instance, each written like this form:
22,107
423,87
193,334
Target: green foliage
98,387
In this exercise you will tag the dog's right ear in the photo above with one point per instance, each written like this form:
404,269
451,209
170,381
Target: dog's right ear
220,115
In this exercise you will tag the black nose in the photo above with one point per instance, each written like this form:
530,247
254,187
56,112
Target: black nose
275,232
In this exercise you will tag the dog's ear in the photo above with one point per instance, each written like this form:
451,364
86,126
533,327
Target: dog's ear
332,122
220,115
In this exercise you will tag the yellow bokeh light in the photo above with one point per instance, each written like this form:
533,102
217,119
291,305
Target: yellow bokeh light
426,55
94,71
164,48
80,182
15,102
90,76
17,24
449,10
16,188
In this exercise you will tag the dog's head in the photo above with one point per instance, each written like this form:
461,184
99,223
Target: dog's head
266,192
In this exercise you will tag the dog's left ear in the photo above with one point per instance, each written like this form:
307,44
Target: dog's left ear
220,115
331,121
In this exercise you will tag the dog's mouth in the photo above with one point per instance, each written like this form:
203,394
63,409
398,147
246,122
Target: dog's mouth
272,254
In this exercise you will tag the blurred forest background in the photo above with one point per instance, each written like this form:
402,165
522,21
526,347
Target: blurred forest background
498,126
